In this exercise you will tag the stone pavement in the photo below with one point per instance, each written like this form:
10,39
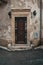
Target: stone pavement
26,57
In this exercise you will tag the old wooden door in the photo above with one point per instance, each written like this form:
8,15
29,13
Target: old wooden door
20,30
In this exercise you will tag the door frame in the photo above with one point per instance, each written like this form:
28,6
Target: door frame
20,13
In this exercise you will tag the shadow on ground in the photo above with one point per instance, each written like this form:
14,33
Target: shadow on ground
29,57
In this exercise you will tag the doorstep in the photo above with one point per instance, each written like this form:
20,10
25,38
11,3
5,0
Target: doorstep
13,48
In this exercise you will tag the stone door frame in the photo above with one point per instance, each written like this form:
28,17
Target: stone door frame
20,13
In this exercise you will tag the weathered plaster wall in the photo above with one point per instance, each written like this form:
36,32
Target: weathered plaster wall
34,5
5,26
5,21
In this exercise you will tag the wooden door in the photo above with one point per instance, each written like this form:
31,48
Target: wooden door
20,30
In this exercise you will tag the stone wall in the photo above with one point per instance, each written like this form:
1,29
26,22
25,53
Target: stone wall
34,5
5,26
5,21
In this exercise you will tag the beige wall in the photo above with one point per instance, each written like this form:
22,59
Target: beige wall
35,20
5,21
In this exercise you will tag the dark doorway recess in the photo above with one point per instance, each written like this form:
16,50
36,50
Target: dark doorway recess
20,30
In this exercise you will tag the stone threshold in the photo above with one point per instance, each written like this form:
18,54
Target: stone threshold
18,48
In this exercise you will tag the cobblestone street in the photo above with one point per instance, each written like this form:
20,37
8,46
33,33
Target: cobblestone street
29,57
